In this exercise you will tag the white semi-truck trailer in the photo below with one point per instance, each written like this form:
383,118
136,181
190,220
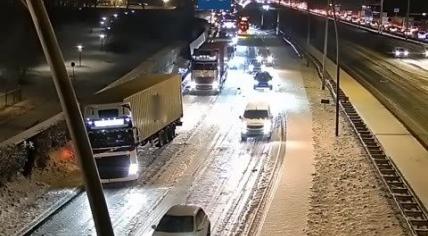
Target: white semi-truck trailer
118,119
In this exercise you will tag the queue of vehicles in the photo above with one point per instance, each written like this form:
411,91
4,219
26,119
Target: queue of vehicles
124,116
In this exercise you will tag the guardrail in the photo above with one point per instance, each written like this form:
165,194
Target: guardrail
10,97
410,207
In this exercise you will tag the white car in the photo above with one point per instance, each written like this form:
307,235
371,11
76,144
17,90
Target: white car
422,35
256,121
401,52
183,220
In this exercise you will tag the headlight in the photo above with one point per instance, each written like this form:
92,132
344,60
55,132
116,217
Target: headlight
263,67
192,84
397,53
426,53
251,67
244,127
406,53
215,85
267,127
133,169
256,82
270,59
259,58
270,82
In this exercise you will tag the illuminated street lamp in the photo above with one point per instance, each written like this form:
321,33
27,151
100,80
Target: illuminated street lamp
80,49
115,15
104,18
102,37
102,22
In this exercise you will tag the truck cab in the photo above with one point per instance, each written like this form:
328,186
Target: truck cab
113,139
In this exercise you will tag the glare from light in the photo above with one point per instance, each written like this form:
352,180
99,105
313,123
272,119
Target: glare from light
215,85
109,123
133,169
406,53
266,7
104,18
102,36
79,47
270,59
426,53
259,58
115,15
192,84
102,22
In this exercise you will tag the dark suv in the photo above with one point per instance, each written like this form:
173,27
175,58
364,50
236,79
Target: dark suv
263,80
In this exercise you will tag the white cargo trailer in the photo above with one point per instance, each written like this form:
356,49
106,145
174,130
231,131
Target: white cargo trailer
120,118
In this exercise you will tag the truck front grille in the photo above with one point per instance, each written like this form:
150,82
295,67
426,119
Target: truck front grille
112,167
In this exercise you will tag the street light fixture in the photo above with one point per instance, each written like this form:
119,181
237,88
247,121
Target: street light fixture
80,49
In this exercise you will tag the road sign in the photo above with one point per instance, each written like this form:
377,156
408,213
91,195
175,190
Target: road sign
214,4
396,10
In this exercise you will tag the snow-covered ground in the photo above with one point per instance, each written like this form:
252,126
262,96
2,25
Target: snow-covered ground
23,199
347,196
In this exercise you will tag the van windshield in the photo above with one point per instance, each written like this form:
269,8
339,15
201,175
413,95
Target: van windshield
256,114
171,224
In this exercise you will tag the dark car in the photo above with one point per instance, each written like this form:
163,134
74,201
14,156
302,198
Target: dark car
263,80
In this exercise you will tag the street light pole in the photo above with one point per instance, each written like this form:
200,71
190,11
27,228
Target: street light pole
325,47
308,39
407,16
337,68
277,17
73,116
80,48
380,17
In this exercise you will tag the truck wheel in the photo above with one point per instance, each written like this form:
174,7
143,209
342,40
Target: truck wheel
161,139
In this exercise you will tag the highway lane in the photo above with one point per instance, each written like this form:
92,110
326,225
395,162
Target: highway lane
400,84
206,164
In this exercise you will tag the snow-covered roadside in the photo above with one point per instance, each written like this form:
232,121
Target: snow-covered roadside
347,197
24,199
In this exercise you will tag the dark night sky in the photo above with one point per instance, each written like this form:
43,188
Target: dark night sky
416,5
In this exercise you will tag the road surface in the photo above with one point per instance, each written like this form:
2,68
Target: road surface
206,165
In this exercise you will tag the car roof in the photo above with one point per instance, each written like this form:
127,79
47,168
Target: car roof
257,106
183,210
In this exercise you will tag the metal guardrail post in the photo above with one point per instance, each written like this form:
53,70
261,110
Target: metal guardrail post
73,116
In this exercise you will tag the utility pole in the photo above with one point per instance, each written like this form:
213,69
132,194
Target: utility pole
73,116
407,15
325,47
308,39
380,17
337,68
277,17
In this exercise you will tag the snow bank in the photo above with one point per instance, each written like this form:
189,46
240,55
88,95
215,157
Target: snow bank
347,196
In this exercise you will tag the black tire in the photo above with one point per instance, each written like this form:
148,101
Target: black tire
162,140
